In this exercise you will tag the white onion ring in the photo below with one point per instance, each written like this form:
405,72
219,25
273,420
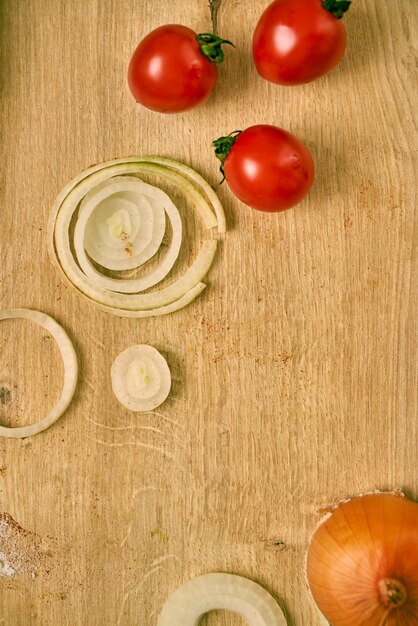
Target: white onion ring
183,171
153,223
209,592
69,359
133,285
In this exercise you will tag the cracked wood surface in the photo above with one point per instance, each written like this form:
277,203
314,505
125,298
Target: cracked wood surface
294,372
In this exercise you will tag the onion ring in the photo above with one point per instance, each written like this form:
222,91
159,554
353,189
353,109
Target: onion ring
152,225
133,285
214,591
69,359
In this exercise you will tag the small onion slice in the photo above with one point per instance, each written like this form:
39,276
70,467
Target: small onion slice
215,591
141,223
141,378
69,358
133,285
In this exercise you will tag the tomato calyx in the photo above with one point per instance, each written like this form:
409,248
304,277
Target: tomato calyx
337,7
211,46
222,147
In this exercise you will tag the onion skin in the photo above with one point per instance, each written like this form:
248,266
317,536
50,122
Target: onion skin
362,564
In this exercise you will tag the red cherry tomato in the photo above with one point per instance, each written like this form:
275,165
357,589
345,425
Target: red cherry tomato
266,167
173,69
296,41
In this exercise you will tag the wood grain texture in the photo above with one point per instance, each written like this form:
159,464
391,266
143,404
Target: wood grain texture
295,372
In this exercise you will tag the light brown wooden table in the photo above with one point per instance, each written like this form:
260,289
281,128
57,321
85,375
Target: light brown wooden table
295,372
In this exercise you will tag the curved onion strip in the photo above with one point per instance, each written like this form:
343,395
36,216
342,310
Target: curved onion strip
201,183
147,225
141,378
69,358
184,184
206,593
162,310
133,285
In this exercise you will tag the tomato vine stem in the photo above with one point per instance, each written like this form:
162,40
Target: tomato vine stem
214,6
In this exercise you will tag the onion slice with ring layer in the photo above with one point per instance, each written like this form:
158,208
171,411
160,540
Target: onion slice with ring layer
214,591
141,223
69,359
133,285
162,301
141,378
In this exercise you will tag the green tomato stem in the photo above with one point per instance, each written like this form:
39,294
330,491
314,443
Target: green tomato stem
337,7
211,46
222,147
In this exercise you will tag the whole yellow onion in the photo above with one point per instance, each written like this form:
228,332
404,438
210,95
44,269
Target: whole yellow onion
362,563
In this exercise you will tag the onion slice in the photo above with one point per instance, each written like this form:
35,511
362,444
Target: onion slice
69,359
149,280
214,591
141,223
141,378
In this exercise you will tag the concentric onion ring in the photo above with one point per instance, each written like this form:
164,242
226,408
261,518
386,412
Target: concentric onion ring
154,277
149,219
214,591
69,358
122,297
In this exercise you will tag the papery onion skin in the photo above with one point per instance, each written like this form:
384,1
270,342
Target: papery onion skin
362,564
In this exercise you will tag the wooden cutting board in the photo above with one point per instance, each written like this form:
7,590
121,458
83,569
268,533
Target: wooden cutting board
294,373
